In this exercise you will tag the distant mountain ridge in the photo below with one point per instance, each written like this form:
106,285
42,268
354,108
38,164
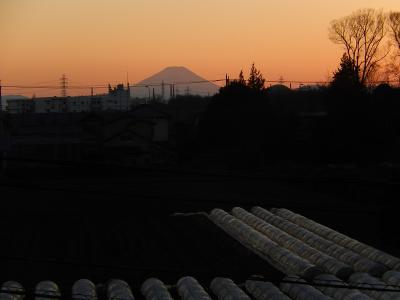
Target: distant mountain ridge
180,75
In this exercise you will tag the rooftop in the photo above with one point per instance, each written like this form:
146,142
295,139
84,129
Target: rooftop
312,261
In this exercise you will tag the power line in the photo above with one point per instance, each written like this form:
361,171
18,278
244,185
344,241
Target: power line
173,83
106,86
343,285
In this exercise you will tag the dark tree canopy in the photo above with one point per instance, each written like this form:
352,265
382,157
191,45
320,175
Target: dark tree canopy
241,79
256,80
361,34
347,78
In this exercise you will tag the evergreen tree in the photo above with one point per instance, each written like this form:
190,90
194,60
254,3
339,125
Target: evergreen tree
241,79
347,77
256,80
347,110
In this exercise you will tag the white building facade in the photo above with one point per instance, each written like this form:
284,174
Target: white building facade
118,99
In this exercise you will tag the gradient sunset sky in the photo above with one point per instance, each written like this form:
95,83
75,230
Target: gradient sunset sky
99,41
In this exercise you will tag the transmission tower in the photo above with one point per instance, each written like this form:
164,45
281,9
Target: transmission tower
64,85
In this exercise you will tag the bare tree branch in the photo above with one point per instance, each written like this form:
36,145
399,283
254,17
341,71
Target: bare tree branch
361,34
394,25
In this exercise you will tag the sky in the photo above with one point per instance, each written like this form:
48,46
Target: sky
100,41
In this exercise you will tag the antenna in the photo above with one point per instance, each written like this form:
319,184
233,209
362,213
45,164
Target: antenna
64,85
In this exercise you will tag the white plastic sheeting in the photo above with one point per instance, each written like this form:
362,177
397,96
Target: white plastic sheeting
118,289
190,289
300,291
11,286
355,260
280,257
154,289
392,278
367,281
318,258
261,290
341,239
84,289
325,281
226,289
47,288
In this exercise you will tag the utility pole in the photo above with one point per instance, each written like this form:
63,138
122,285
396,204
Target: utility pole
128,96
226,79
162,91
148,98
3,155
120,99
91,92
128,91
1,99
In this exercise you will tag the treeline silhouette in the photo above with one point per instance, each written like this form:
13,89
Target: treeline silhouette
248,126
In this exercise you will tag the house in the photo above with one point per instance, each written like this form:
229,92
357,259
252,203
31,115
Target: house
129,138
50,137
20,106
137,137
158,117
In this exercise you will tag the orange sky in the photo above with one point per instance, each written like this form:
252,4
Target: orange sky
99,41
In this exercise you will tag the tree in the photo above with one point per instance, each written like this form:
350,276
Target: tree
394,25
361,34
346,79
346,106
256,80
393,67
241,79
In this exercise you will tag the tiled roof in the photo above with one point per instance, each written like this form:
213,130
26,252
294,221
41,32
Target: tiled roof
347,256
299,246
319,263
